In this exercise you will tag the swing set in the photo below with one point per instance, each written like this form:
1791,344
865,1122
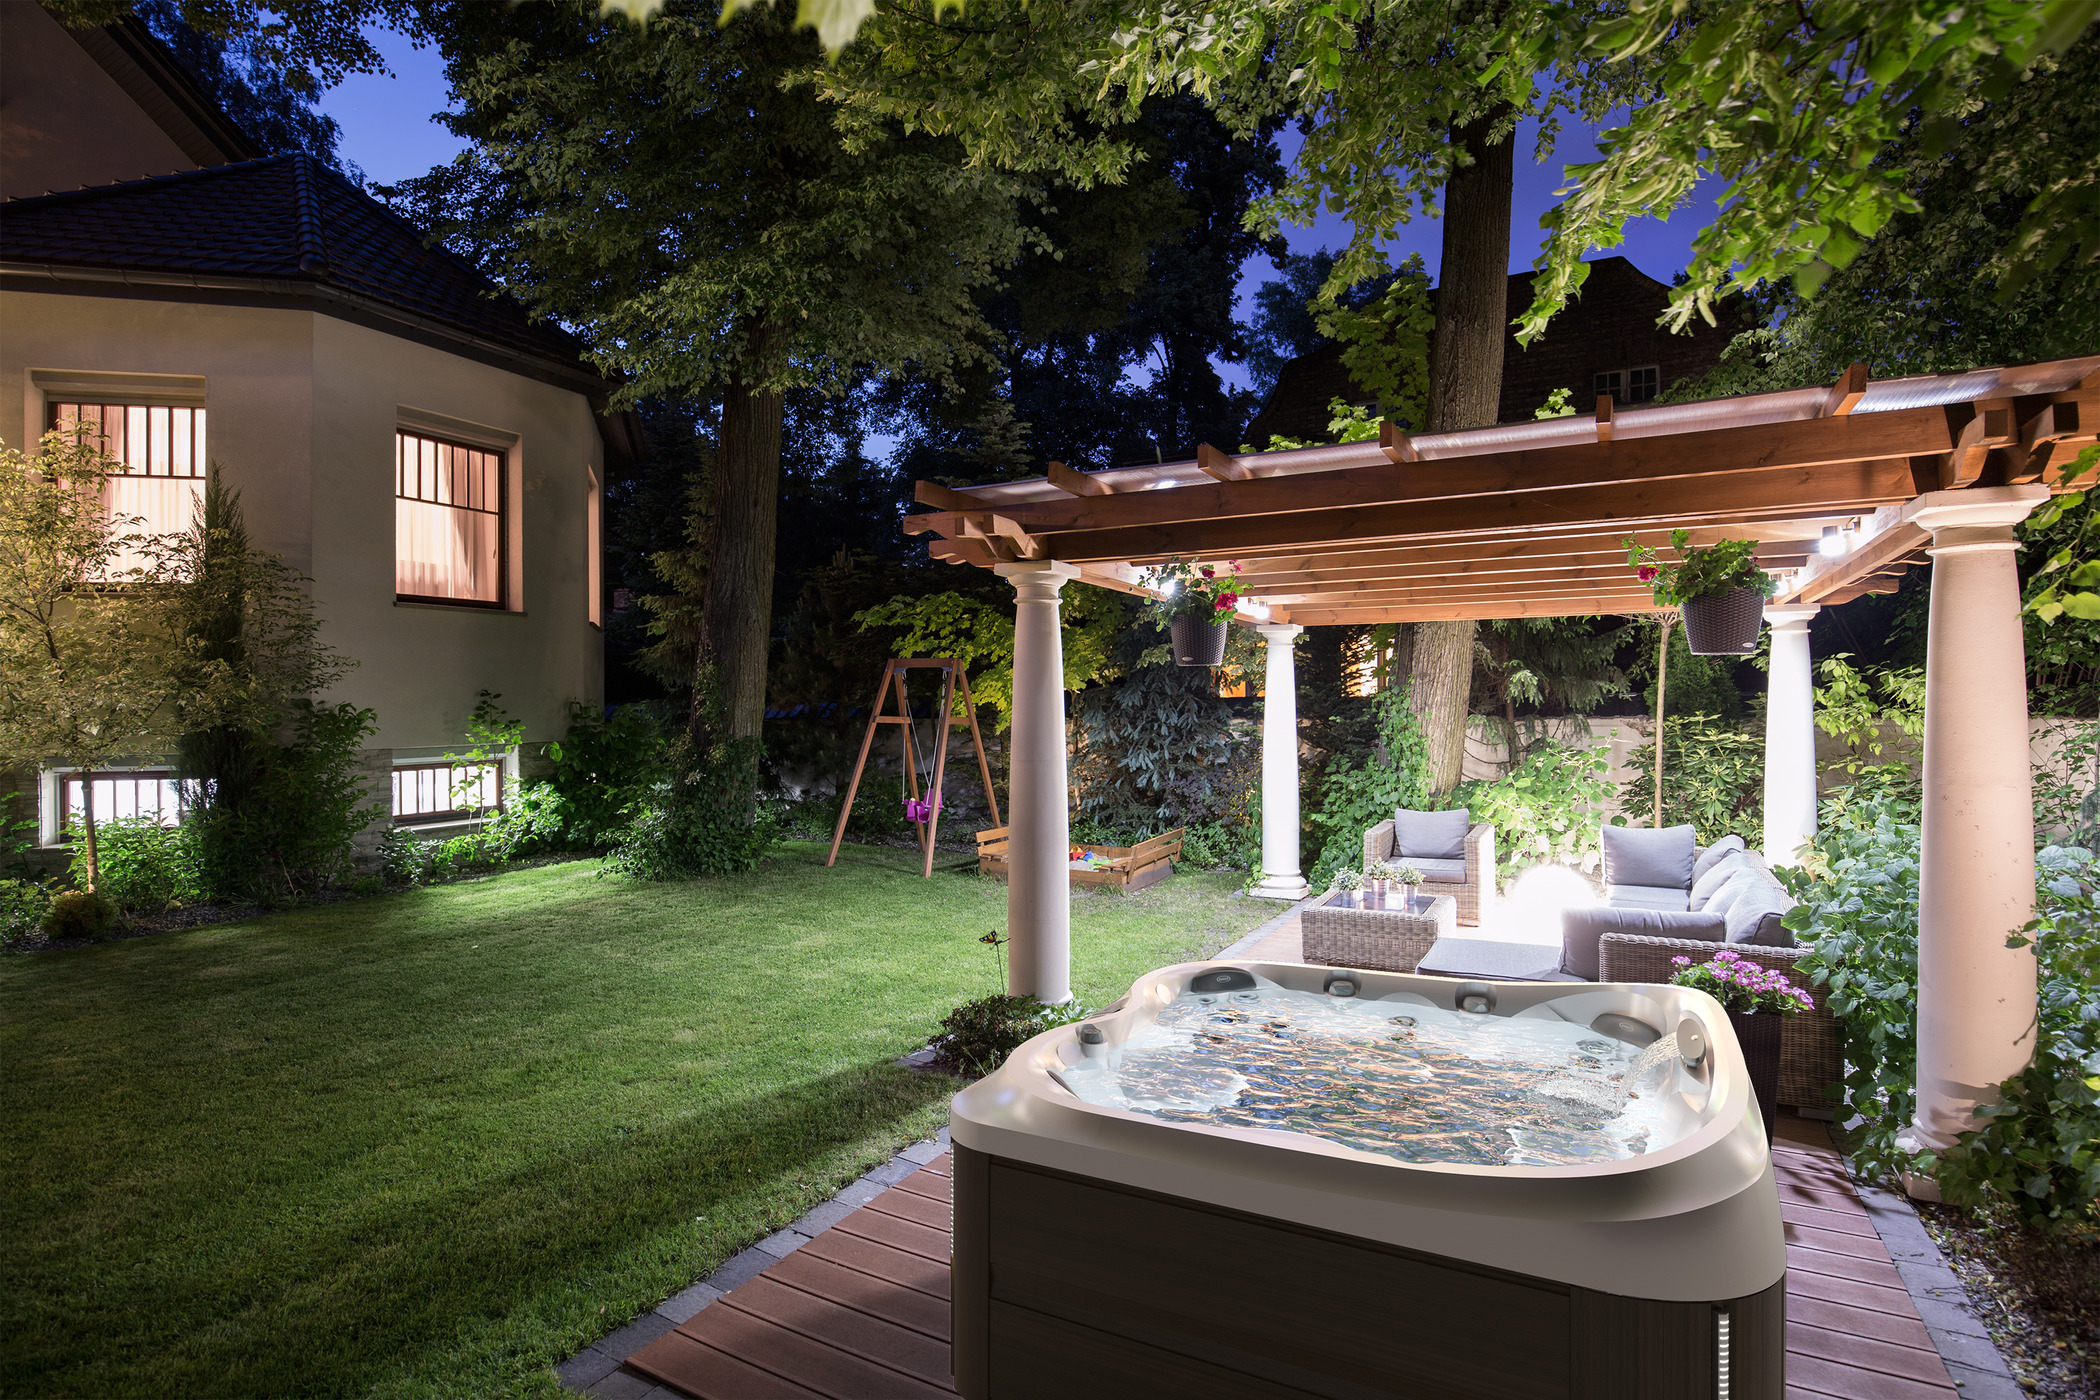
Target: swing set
922,813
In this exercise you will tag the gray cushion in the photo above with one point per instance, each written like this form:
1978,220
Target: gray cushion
1581,928
1713,855
1635,855
1646,897
1434,835
1717,875
1739,882
1755,917
1442,872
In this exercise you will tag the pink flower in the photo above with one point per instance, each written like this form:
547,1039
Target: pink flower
1646,573
1228,601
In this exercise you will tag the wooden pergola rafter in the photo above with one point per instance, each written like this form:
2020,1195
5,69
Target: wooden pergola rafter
1528,520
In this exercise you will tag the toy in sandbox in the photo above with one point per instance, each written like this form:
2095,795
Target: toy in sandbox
923,813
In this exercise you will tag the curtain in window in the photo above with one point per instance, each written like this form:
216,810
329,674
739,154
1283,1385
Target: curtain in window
162,451
448,521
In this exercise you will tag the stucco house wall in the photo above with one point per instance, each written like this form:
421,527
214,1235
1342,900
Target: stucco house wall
302,409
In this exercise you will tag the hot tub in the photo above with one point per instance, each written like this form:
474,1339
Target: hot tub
1275,1179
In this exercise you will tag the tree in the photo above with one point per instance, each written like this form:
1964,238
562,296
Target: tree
89,659
260,98
1547,661
683,196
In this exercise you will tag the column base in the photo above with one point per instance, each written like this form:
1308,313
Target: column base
1916,1185
1288,888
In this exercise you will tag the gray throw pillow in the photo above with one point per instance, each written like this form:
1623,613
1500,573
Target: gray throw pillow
1431,835
1713,855
1739,882
1636,855
1756,916
1707,883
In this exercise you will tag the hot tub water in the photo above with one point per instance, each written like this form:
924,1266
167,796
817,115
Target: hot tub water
1401,1078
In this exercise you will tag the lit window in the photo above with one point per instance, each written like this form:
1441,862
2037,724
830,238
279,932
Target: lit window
429,792
448,522
161,448
128,796
1643,383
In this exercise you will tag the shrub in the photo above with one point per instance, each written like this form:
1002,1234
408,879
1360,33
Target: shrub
1353,797
22,906
1713,778
292,835
701,822
1546,810
977,1036
605,770
404,859
79,914
1154,751
144,867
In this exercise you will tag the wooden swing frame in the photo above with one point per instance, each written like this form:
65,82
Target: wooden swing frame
893,679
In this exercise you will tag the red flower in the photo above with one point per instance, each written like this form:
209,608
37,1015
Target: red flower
1228,601
1646,573
1208,571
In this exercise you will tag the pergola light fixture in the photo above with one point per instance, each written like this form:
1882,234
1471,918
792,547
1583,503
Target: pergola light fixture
1833,542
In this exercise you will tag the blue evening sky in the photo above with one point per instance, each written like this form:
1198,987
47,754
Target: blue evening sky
389,132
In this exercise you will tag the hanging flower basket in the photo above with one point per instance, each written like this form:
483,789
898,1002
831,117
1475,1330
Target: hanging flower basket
1197,641
1724,624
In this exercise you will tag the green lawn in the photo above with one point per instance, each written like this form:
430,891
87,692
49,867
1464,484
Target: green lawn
431,1143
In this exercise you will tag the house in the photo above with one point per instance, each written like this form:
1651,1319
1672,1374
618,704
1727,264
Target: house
1604,342
399,431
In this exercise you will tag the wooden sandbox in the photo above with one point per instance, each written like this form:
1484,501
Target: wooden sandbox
1129,867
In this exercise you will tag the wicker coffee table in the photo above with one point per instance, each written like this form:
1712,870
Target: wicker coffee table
1376,932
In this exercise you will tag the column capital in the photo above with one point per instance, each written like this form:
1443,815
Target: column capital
1037,580
1279,634
1977,508
1792,618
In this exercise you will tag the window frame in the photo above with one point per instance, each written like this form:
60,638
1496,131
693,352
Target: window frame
499,767
59,782
458,443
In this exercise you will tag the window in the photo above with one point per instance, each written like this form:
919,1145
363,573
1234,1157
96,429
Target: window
162,451
1639,384
152,794
448,522
435,792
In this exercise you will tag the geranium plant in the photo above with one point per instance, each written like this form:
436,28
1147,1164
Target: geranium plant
1740,986
1699,571
1208,591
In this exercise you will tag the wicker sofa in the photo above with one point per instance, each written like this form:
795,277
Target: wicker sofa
1470,883
1635,934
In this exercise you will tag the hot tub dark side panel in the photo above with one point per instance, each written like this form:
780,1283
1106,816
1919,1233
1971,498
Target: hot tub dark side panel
1064,1285
969,1269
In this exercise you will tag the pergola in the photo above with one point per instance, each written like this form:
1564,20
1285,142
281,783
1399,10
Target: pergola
1528,520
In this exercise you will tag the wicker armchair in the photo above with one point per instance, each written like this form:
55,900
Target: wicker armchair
1811,1048
1476,895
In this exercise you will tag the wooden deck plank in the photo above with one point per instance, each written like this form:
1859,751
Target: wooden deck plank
707,1373
1824,1218
926,1184
919,1210
1894,1328
1852,1292
808,1362
848,1329
906,1235
1847,1266
1865,1353
1841,1382
877,1297
914,1271
943,1165
1832,1242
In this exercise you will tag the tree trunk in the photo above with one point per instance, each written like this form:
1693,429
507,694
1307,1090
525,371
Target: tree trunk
87,826
1465,385
736,620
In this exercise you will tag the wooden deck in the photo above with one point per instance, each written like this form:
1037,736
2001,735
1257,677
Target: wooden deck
861,1312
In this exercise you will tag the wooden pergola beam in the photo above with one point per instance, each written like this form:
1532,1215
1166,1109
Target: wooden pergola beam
1727,499
1632,604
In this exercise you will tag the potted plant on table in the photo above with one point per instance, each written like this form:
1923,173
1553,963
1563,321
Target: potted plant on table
1718,587
1196,601
1757,1001
1408,878
1348,882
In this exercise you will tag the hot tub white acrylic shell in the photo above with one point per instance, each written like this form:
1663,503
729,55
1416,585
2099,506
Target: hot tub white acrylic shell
1694,1220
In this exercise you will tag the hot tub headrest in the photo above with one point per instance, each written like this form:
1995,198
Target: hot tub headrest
1222,979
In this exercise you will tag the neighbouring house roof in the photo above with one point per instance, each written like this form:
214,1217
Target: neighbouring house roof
1609,325
153,77
281,229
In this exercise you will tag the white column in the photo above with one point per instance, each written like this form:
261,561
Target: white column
1280,876
1976,997
1039,889
1790,738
